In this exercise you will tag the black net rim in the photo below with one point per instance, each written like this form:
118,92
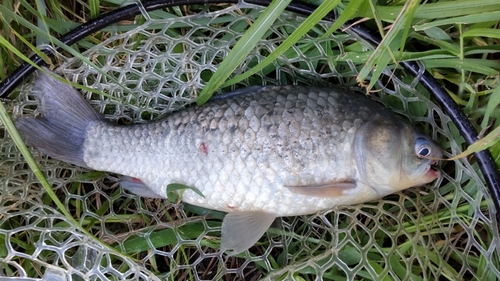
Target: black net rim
448,105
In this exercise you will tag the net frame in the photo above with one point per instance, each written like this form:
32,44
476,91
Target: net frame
73,257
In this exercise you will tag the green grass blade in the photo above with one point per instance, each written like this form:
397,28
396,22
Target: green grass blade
438,34
474,65
450,47
374,14
165,237
489,140
244,45
482,32
410,14
13,49
493,103
473,50
351,11
385,50
439,10
33,48
94,8
43,11
309,23
61,25
54,42
491,16
447,270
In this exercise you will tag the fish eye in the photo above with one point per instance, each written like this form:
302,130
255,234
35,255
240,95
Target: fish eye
422,147
424,152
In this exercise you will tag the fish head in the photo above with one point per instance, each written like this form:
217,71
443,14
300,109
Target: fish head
391,155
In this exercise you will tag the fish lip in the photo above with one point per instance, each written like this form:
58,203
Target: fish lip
434,173
433,167
431,170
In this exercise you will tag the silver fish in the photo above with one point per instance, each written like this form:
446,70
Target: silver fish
258,153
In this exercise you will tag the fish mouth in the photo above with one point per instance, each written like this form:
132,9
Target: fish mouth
432,169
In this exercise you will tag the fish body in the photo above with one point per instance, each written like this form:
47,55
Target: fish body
243,152
259,154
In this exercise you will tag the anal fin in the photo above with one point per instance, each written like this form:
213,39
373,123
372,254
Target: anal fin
138,187
241,230
336,189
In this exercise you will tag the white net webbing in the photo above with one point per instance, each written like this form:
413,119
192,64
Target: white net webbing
160,63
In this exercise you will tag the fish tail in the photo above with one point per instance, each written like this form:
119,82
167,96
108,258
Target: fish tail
61,129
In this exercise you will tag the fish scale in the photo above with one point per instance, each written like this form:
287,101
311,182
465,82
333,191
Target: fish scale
251,147
257,153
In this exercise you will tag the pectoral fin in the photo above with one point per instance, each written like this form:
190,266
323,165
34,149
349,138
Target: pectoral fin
138,187
324,190
241,230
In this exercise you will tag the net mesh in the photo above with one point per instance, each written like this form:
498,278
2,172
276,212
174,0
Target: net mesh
159,63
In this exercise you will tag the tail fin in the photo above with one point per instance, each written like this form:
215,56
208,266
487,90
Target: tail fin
61,130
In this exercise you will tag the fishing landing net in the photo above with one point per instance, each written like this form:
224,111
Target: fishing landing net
159,63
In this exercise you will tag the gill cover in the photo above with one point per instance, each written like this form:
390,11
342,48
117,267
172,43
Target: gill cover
391,155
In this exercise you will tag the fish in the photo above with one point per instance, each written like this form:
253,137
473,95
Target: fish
257,153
